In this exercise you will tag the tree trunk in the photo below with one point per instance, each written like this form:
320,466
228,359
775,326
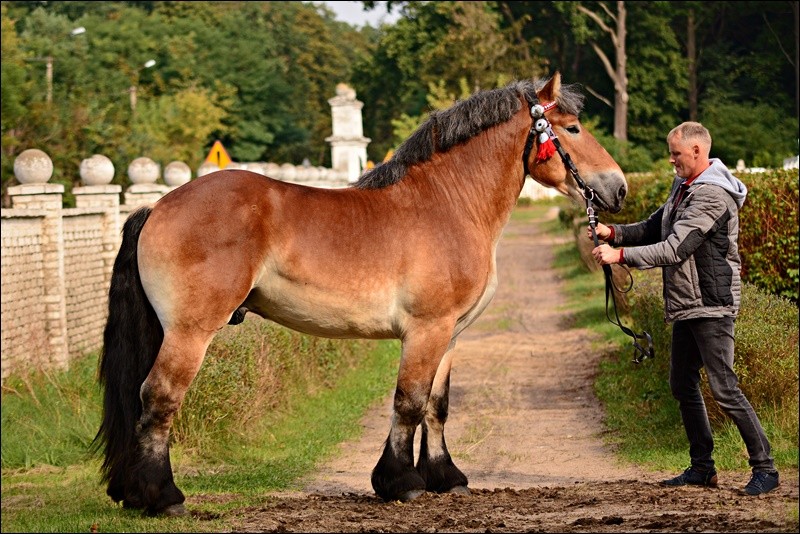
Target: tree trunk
618,71
691,56
621,78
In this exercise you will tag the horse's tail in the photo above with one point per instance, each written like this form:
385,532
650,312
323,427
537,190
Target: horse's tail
131,342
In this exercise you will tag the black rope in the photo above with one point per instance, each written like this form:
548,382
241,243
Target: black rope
640,353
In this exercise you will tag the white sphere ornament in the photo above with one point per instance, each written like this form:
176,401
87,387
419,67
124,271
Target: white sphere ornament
96,170
206,168
143,171
177,173
33,166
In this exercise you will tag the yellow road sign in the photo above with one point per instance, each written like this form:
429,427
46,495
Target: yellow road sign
219,156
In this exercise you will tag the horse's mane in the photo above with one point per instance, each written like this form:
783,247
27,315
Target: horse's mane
463,120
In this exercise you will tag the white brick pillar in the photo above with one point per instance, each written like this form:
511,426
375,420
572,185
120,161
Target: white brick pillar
33,168
348,144
97,191
105,197
143,173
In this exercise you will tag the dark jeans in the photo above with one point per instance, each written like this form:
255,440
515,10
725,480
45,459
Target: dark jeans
709,342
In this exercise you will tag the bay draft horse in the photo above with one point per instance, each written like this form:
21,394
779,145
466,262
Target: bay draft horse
407,252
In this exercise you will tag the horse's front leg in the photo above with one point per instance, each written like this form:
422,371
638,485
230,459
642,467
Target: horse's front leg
395,477
435,464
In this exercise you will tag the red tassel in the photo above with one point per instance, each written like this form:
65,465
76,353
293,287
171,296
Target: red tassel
546,150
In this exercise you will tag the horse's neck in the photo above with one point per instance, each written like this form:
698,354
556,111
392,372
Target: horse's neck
481,178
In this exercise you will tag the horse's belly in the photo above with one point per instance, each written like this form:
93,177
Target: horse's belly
325,313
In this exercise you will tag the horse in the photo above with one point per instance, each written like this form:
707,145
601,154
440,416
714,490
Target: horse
407,252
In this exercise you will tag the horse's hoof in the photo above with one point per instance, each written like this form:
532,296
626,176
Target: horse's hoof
410,495
459,490
175,510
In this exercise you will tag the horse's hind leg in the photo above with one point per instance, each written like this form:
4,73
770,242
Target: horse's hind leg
395,477
435,464
162,393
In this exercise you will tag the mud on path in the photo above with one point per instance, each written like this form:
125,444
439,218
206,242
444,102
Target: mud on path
527,431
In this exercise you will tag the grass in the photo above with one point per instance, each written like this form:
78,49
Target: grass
50,484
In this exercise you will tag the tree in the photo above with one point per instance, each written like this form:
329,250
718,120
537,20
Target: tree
614,26
12,67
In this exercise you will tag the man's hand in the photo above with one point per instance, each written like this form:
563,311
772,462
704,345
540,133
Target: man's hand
605,255
603,231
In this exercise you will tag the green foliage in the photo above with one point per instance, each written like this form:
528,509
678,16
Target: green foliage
177,126
257,75
767,352
768,232
761,134
656,67
629,156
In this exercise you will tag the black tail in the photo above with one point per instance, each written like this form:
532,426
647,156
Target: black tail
131,342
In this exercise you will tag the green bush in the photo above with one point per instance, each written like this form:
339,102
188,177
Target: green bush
252,374
767,351
762,134
766,359
768,232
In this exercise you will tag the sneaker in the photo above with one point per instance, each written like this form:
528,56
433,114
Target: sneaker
693,477
762,482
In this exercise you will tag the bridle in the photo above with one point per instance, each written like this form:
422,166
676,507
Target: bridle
548,145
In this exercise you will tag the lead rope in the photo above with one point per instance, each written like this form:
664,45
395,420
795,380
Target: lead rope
640,353
542,125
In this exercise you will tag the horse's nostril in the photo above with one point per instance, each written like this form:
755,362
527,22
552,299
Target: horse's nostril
622,192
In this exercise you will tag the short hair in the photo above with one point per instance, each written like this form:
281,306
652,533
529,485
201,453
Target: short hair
688,131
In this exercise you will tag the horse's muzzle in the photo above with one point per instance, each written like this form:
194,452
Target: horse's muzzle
610,190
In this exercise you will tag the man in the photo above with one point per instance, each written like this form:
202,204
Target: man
693,238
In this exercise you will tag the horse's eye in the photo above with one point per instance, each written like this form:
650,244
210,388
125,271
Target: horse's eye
573,129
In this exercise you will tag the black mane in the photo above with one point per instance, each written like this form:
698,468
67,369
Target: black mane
463,120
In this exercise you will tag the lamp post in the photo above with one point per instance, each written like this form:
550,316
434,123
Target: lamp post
133,88
48,60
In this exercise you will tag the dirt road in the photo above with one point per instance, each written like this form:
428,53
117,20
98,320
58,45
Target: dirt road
527,431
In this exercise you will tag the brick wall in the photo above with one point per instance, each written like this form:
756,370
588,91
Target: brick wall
85,281
56,269
23,313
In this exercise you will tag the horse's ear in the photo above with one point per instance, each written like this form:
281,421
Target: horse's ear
552,89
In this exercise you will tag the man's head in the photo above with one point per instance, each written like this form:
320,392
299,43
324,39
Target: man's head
689,149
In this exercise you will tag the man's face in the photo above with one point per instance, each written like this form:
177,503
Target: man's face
683,155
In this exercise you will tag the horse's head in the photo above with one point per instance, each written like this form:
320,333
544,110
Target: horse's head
595,166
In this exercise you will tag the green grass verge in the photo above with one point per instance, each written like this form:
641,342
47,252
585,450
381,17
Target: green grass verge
49,484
